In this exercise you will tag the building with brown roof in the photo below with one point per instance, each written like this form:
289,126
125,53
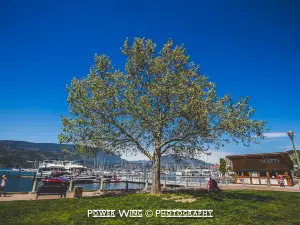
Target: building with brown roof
261,168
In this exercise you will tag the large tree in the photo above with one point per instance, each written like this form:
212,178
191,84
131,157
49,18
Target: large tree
159,104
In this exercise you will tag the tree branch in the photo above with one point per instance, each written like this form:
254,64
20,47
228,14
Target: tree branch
113,122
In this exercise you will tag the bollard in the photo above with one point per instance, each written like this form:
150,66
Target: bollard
268,182
34,186
186,182
165,183
146,185
200,181
226,181
33,179
101,188
126,185
71,185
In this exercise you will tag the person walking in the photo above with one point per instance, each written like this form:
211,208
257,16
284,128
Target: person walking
3,185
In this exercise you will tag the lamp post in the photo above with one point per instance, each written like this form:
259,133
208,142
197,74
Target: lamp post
291,135
207,154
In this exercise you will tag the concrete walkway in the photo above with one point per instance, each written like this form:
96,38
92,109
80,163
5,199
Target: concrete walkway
32,196
294,188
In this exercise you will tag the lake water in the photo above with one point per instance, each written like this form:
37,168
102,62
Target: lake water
24,184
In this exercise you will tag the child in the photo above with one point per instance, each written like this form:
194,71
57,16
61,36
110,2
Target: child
281,179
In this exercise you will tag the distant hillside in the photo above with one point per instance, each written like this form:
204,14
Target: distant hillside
169,161
16,153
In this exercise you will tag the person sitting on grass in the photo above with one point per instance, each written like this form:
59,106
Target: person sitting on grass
215,185
210,185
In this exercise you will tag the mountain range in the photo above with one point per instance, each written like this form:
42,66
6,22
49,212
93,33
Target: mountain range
17,153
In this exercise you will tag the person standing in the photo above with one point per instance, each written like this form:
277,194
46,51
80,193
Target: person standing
281,179
3,185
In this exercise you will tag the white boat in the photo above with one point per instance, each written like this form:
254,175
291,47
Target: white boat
74,167
178,173
84,177
48,166
206,172
170,173
96,173
122,172
30,170
107,174
191,172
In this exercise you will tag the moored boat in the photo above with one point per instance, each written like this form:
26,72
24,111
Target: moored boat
48,166
59,180
115,180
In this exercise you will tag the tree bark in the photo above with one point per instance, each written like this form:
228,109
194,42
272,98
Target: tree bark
155,187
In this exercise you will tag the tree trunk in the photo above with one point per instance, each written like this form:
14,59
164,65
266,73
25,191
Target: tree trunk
155,187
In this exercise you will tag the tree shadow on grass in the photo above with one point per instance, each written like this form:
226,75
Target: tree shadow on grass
115,193
249,196
223,195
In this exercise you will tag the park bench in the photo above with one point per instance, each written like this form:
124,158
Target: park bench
52,190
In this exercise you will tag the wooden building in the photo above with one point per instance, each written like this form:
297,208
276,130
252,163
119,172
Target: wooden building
261,169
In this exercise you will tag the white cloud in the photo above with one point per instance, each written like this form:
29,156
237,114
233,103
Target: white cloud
275,135
287,147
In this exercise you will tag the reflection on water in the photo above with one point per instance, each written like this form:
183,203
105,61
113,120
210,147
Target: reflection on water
110,186
15,184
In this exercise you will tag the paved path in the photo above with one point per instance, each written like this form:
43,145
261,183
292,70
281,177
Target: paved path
29,196
256,187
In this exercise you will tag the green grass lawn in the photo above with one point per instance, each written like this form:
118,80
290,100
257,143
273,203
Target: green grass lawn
229,207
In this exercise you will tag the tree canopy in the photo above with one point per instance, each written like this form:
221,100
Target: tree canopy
223,166
158,104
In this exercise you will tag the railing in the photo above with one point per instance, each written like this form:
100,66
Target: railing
166,181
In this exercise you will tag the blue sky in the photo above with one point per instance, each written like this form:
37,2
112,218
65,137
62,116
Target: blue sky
249,48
